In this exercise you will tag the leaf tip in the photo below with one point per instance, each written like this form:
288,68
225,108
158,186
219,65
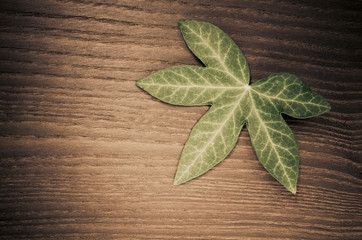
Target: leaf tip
292,189
326,106
182,21
139,84
177,182
179,178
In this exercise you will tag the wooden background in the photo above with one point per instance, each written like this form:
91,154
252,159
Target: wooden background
85,154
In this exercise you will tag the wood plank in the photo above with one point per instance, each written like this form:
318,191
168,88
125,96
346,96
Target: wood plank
85,154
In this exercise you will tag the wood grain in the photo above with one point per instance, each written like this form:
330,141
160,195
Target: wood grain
85,154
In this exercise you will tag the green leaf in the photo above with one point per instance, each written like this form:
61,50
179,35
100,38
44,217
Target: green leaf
213,137
224,84
188,85
290,95
215,49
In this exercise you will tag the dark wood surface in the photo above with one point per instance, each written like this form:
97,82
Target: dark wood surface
85,154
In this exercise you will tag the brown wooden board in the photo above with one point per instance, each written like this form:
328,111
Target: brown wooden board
85,154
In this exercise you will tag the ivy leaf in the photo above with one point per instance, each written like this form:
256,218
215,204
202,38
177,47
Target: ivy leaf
224,84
